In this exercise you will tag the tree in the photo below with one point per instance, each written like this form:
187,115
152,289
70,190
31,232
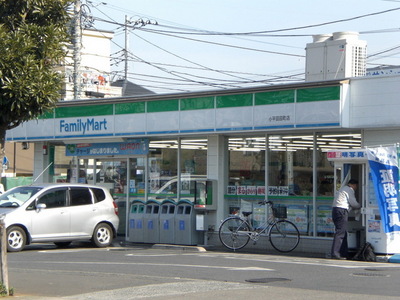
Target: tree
33,35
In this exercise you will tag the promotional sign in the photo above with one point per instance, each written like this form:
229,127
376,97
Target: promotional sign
131,147
385,177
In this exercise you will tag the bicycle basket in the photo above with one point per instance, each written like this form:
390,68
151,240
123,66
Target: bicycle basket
280,212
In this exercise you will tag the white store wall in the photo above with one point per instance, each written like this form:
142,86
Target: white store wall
374,102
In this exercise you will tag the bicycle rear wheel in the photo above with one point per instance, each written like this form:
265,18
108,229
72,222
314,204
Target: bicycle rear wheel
284,236
234,233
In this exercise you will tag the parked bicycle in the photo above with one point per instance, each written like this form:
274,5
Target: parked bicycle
236,231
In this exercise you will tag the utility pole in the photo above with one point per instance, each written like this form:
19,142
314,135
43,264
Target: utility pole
3,257
77,39
127,21
131,24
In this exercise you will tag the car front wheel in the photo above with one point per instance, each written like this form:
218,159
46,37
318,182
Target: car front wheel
16,239
103,235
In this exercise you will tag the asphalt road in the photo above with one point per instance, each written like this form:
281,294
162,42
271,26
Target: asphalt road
138,272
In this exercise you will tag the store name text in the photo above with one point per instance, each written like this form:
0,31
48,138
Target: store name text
83,126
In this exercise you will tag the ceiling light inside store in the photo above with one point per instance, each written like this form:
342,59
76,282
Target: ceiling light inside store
246,149
321,139
351,141
344,144
333,147
152,145
197,141
297,137
194,144
284,150
354,135
304,142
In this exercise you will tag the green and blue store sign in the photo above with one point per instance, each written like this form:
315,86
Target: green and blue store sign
317,107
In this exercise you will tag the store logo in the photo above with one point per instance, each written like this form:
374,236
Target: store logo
83,126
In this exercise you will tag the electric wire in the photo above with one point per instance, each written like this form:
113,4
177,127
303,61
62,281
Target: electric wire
188,77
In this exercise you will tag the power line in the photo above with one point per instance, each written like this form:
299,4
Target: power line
187,60
224,45
187,78
262,32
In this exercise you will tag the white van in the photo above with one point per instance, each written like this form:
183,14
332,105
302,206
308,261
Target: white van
191,186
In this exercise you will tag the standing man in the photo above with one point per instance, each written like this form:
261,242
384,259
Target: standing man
344,201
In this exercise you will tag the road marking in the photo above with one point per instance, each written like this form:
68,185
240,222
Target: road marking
153,264
169,290
251,269
253,258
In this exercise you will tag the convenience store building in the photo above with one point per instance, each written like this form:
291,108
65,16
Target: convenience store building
253,144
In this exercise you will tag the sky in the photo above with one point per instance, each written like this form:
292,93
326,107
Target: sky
197,45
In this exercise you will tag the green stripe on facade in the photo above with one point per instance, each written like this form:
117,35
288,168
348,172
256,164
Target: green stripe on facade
84,111
207,102
47,115
234,100
162,106
318,94
197,103
130,108
274,97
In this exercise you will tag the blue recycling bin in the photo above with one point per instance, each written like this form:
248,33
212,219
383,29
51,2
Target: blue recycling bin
185,223
136,228
151,222
167,221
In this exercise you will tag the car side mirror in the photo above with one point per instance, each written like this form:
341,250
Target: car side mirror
40,206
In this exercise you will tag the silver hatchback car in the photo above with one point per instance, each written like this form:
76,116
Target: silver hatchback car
58,213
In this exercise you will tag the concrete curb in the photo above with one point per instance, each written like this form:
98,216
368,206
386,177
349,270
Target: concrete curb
180,247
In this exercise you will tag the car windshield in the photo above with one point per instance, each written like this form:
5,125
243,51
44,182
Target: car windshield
18,196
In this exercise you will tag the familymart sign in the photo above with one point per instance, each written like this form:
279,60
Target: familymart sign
90,126
82,126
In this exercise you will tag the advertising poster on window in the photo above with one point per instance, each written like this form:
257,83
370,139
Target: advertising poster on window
324,219
384,168
298,215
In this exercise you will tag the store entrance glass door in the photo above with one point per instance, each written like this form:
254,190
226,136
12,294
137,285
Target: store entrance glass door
137,179
112,174
125,179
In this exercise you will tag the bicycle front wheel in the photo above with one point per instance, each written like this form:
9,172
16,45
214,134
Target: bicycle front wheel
284,236
234,233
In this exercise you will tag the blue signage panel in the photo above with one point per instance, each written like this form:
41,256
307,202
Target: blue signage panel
385,176
131,147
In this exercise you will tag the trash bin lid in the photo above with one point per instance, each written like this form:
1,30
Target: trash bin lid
135,201
152,201
168,201
185,201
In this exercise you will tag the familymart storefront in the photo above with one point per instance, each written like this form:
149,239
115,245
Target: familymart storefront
221,151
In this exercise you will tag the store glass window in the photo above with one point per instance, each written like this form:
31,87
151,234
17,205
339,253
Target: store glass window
247,161
194,157
193,169
290,169
246,175
163,169
61,163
